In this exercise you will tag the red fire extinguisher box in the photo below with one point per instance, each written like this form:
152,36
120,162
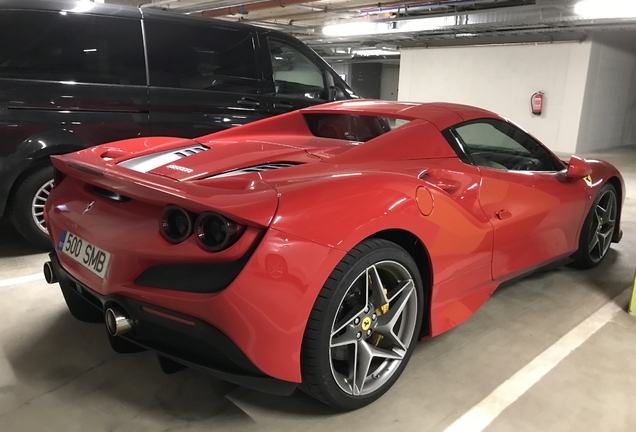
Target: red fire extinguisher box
537,103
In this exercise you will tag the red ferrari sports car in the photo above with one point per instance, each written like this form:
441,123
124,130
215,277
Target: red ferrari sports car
314,248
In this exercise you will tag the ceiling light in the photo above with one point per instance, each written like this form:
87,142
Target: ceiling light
82,6
351,29
384,27
375,52
606,9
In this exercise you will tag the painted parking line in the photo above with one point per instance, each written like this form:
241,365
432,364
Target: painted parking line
486,411
8,283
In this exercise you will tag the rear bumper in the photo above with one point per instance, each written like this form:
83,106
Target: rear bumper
181,338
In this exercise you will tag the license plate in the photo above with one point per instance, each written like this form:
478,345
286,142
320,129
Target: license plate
84,253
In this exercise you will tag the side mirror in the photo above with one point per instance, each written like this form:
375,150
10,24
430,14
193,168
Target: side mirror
336,93
578,168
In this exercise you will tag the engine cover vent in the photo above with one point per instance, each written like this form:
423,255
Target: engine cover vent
256,168
149,162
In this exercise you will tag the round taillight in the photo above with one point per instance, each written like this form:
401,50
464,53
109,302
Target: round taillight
175,224
216,232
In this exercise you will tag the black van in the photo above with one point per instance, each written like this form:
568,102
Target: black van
77,74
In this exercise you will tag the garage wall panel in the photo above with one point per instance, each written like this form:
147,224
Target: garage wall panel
629,128
389,84
503,79
608,109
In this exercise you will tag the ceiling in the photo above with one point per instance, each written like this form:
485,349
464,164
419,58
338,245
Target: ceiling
361,29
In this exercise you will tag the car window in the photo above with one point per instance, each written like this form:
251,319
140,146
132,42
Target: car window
351,127
294,73
496,144
201,57
71,47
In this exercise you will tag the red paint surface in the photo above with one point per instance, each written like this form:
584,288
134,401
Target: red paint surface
312,214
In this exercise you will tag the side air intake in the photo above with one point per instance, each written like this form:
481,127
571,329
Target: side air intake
149,162
256,168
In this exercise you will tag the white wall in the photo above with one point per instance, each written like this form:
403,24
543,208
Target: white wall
629,128
343,69
389,82
503,79
609,109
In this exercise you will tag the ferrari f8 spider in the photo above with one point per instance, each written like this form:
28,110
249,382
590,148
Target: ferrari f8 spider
315,248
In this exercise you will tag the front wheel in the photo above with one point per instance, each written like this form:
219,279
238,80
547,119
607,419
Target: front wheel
363,327
598,229
27,207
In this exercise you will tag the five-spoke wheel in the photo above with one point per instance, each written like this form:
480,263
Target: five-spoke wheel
363,326
602,226
598,229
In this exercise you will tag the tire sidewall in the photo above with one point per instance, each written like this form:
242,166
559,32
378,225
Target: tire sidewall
22,202
393,253
583,259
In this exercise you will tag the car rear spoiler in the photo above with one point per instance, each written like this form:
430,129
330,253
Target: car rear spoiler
247,202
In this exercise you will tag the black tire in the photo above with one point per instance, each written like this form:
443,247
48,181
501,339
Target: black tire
79,307
316,354
586,257
22,203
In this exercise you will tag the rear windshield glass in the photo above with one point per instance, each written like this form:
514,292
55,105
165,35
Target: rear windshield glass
351,127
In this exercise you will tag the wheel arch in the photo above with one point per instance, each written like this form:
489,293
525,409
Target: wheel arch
33,154
416,248
39,161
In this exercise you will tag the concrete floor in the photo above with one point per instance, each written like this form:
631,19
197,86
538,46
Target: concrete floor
57,374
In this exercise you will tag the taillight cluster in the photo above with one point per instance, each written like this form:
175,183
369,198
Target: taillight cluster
213,232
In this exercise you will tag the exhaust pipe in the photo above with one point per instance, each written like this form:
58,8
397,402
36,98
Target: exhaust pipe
117,323
49,274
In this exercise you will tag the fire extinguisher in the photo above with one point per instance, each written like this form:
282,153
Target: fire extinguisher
537,103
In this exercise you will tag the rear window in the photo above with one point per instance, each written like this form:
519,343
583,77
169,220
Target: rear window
71,47
351,127
201,57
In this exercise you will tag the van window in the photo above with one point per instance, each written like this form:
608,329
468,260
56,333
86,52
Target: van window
72,47
201,57
294,73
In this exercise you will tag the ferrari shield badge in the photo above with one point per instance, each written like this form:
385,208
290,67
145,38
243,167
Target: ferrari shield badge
588,180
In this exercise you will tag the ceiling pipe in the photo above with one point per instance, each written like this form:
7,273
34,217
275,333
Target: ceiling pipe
244,9
357,8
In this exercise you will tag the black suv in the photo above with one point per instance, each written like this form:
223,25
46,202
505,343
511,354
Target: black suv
78,74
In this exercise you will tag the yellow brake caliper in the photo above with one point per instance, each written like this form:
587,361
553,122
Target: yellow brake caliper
380,311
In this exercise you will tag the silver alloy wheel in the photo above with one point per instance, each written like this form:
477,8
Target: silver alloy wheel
373,328
37,205
602,227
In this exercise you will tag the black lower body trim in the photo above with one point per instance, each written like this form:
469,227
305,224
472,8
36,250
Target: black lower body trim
195,277
180,338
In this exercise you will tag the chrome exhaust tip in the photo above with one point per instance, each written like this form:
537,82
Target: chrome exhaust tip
117,323
49,274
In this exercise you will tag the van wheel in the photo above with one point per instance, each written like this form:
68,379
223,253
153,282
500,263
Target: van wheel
27,208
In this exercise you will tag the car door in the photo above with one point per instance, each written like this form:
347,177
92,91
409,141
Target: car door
535,211
294,79
203,76
76,74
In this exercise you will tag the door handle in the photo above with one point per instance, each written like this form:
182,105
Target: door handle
283,105
503,214
253,103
